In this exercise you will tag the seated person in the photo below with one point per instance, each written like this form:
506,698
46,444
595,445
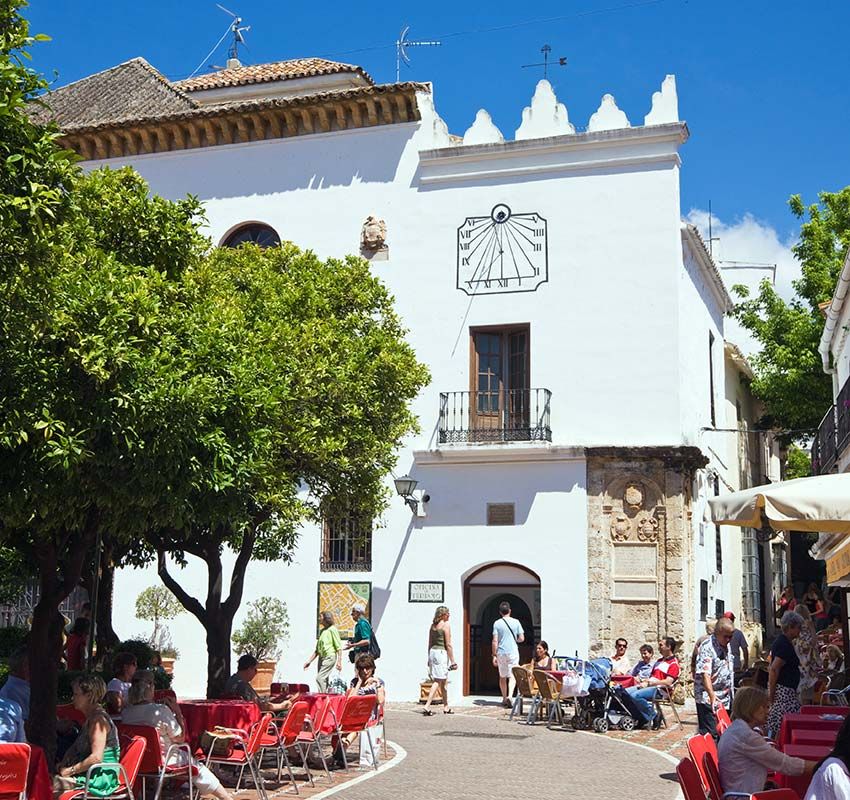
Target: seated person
11,722
665,672
542,659
833,659
124,668
622,665
643,669
168,720
743,754
113,702
239,686
831,780
365,683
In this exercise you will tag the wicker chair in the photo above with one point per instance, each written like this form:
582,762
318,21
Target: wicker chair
525,691
549,690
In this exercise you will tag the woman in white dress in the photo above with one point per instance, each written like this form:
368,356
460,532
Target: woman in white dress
441,659
831,780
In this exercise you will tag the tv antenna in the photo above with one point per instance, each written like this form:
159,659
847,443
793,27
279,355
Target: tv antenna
711,239
546,49
236,29
401,46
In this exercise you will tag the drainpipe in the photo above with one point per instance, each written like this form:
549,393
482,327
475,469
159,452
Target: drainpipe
832,316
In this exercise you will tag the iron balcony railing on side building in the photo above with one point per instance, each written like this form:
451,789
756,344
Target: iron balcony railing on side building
507,415
825,445
842,416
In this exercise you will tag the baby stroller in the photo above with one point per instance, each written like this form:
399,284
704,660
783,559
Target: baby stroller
605,705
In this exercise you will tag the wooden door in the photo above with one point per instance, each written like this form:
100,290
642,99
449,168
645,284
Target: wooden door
486,396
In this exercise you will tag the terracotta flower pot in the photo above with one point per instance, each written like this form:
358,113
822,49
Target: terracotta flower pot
168,664
262,681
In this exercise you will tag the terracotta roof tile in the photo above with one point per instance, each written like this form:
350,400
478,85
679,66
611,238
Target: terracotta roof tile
131,90
263,73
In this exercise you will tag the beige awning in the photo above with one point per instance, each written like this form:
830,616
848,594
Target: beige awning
820,503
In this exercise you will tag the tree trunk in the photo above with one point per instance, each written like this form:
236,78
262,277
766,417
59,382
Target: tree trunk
106,639
45,646
219,627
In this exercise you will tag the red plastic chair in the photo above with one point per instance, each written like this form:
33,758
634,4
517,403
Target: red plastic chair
14,766
67,711
161,694
723,719
711,748
689,780
697,750
319,725
247,756
355,717
127,768
154,765
288,730
711,772
379,720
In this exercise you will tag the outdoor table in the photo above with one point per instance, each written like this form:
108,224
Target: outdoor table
557,674
804,721
809,752
843,710
39,785
624,680
806,736
204,715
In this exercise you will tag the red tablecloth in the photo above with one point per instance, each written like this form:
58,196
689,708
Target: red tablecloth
817,737
843,710
809,752
624,680
39,785
807,721
204,715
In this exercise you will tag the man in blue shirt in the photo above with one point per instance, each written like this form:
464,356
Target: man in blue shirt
11,722
17,686
507,634
643,669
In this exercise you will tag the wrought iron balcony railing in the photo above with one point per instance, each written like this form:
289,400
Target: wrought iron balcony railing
825,445
842,415
511,415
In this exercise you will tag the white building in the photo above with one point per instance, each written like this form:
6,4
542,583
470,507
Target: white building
573,326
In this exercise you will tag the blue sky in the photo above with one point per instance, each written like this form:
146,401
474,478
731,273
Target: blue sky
762,85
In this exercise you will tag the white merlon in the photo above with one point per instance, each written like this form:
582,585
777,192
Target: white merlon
608,117
433,132
665,104
483,131
545,116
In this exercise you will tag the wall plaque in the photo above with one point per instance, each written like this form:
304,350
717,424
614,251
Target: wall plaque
426,592
635,572
501,513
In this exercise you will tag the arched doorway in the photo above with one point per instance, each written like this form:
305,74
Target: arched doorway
483,590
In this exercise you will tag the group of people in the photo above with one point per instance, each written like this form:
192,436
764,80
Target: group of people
824,611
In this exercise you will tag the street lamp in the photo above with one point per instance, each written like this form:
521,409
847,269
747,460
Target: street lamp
406,486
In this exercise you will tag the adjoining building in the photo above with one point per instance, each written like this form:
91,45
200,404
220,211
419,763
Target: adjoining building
583,404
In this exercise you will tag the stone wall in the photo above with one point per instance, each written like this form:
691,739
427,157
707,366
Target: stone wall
639,544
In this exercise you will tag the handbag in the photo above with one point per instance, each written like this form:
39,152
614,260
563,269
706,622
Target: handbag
575,684
374,649
220,740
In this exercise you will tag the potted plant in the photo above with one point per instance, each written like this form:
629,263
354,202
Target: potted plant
265,627
155,604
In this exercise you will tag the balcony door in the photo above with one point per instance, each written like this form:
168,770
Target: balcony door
500,381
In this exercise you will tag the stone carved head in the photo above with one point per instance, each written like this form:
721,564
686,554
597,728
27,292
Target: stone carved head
374,234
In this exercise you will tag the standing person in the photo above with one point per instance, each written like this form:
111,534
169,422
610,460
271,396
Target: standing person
85,613
787,602
808,651
783,678
811,598
507,634
441,659
328,651
96,744
75,645
831,780
713,676
643,669
665,672
362,638
740,649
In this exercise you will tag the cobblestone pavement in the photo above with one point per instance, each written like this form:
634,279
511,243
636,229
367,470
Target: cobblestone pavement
477,752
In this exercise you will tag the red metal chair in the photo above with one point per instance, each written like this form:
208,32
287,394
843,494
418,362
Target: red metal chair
711,747
697,750
689,780
711,772
127,768
14,766
155,766
161,694
379,720
723,719
288,730
320,725
247,756
67,711
355,717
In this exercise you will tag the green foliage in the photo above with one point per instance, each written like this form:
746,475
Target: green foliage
65,679
154,604
789,375
4,672
15,572
265,627
11,639
798,463
140,649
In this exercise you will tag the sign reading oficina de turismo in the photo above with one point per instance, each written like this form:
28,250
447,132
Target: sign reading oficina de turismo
425,592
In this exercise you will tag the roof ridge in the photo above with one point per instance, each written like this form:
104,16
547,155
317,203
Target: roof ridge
99,72
167,83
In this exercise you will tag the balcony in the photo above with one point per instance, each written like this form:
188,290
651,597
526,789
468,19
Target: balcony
842,414
510,415
825,445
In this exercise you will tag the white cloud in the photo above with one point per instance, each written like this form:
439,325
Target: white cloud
748,241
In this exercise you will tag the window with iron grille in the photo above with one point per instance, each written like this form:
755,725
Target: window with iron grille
703,599
718,542
751,575
347,545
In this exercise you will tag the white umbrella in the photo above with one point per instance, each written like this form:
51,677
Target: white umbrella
820,504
